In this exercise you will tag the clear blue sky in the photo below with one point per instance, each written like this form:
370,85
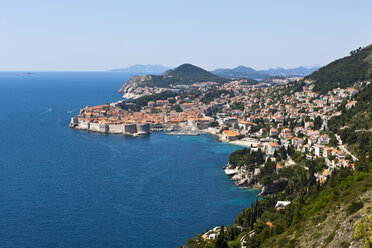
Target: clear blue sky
106,34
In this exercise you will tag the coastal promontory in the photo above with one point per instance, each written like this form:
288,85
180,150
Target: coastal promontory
185,74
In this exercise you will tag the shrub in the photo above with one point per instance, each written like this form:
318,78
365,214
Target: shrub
344,244
330,238
354,206
233,244
363,230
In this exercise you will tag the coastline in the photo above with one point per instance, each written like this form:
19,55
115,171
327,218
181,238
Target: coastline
239,176
243,178
114,175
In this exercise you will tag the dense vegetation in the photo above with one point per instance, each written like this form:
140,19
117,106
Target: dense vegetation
246,157
188,73
213,94
310,203
355,125
237,105
292,88
344,72
314,205
137,104
185,74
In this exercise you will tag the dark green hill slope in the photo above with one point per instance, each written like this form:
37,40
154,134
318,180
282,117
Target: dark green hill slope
355,125
337,213
185,74
344,72
188,74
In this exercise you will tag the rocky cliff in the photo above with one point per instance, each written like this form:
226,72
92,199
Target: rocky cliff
135,82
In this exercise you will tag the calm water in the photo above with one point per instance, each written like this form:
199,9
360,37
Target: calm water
65,188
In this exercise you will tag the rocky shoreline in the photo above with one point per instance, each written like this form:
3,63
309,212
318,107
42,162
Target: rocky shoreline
246,179
243,177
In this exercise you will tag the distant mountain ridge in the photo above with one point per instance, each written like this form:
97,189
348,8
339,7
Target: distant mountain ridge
156,69
298,71
241,72
234,73
185,74
248,72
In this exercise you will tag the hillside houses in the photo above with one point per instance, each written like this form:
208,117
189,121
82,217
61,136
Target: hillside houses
241,111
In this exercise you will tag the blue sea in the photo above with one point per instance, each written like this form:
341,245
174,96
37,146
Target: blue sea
60,187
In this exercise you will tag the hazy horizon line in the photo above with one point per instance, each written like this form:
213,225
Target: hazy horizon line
170,67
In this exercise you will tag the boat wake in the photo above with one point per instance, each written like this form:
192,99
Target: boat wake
70,111
49,110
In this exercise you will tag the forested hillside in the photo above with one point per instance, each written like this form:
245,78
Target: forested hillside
355,125
185,74
336,212
344,72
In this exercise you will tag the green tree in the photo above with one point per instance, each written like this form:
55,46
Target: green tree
178,108
155,111
318,123
221,240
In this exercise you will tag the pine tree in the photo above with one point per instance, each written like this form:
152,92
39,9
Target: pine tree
221,240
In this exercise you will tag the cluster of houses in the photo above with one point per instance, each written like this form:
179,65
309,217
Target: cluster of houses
287,120
269,115
261,116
